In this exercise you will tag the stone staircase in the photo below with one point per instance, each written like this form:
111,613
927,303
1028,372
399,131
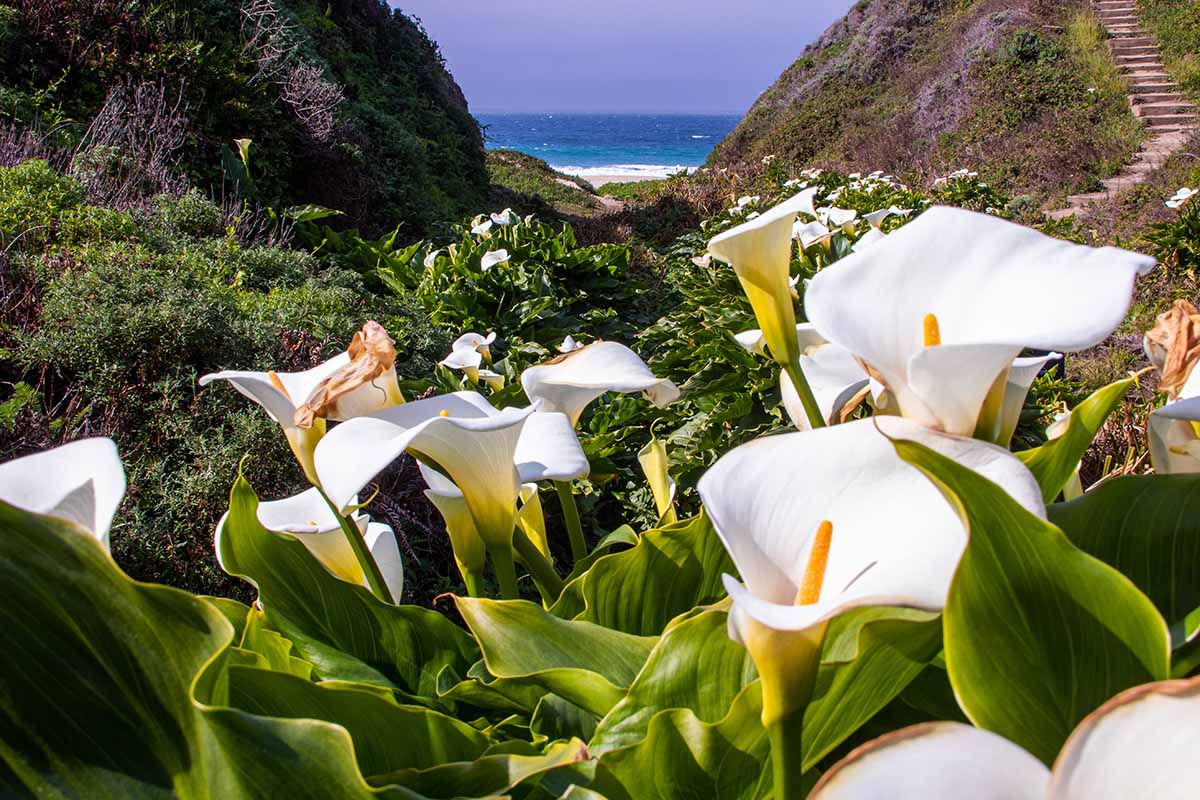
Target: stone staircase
1157,101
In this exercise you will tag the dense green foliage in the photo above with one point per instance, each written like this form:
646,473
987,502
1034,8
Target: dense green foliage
348,104
114,316
530,186
1177,28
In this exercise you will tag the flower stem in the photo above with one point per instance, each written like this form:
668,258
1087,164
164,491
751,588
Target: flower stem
807,399
362,554
475,584
787,756
506,571
543,572
566,497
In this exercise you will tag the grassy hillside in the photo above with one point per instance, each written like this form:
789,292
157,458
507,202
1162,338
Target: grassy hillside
348,104
1025,93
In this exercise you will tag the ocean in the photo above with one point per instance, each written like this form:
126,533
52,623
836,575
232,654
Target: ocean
653,145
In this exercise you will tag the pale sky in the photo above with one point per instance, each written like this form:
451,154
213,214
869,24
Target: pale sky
637,56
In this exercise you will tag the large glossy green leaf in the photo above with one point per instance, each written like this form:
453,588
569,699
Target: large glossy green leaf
684,757
670,571
694,666
113,688
588,665
1038,634
1055,462
1148,527
388,737
871,655
487,777
342,629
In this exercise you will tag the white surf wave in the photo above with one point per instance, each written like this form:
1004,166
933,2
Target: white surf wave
647,171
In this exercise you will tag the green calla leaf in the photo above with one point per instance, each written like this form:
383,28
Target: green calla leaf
342,629
275,650
1055,462
584,663
871,655
695,666
388,737
487,777
556,718
669,572
1148,527
684,757
114,688
1038,634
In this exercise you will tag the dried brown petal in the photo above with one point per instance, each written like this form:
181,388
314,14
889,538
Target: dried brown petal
1173,346
372,353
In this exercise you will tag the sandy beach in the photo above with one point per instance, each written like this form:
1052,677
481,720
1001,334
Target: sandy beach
600,180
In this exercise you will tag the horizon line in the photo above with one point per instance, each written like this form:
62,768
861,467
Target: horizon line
498,112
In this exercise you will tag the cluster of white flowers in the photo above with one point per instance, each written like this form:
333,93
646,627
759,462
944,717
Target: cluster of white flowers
1181,197
957,175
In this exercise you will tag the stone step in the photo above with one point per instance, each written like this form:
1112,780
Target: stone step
1130,8
1155,98
1133,41
1156,109
1157,120
1152,87
1113,20
1160,129
1121,51
1142,73
1137,58
1126,30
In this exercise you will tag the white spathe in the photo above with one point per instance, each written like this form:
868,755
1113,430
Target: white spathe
308,518
487,453
896,540
1172,434
836,379
82,482
475,341
876,218
871,237
760,252
570,382
431,259
1021,375
569,345
504,218
811,234
995,288
470,552
493,258
1140,744
483,228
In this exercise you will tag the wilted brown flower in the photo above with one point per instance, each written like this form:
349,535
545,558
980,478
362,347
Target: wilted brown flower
1173,346
372,356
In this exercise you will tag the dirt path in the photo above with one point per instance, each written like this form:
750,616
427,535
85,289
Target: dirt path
1156,99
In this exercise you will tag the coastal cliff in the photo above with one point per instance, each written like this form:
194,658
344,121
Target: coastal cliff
1024,92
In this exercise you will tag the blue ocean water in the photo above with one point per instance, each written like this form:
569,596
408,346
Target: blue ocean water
604,144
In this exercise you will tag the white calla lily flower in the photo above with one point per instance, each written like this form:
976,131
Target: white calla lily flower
760,252
843,218
493,259
569,345
940,309
475,341
825,521
486,452
466,359
811,234
494,380
838,382
1173,432
431,259
359,381
570,382
876,218
1181,197
82,482
504,218
768,499
871,237
307,518
1139,744
483,228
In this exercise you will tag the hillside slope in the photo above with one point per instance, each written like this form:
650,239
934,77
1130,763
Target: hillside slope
347,103
1024,92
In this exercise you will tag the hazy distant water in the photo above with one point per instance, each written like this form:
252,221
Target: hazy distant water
601,144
